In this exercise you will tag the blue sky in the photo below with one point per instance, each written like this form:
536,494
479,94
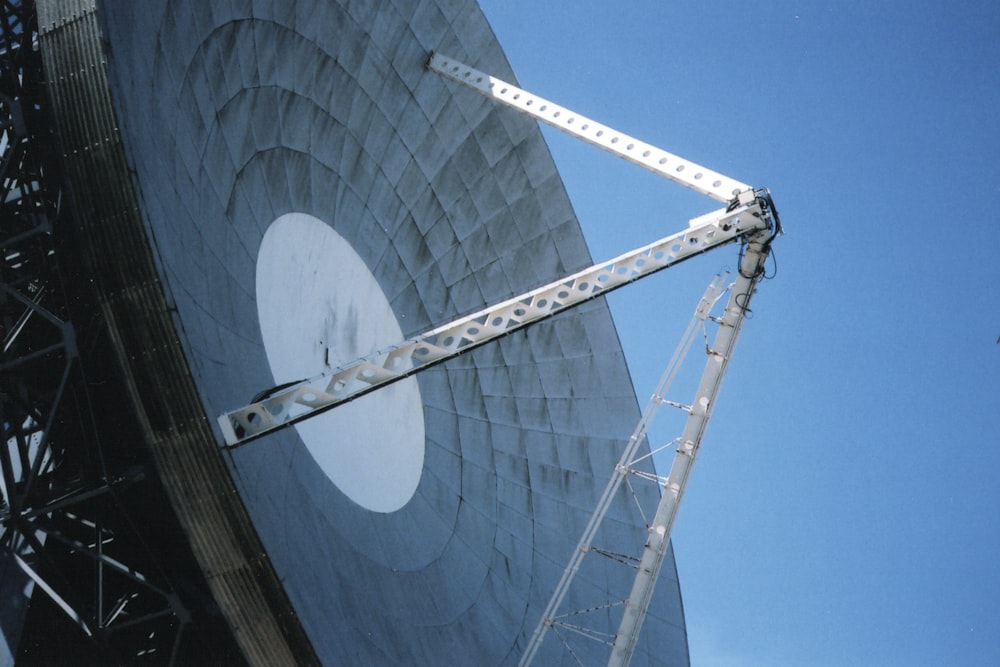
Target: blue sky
844,508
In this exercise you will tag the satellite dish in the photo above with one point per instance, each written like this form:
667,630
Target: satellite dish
267,186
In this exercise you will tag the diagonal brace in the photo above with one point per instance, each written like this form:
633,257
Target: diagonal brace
663,163
292,403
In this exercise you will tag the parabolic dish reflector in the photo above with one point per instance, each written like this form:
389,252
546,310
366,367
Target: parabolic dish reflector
268,188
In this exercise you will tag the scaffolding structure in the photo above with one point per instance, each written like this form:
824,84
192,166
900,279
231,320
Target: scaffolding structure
65,534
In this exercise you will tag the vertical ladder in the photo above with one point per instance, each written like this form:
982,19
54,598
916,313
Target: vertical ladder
627,464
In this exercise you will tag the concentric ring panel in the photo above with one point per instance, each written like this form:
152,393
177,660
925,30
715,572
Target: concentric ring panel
307,192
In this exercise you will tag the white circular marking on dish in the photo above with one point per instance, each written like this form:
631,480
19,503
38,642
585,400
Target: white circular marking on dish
319,306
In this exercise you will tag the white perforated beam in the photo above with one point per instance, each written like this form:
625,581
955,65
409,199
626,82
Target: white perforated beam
304,399
687,173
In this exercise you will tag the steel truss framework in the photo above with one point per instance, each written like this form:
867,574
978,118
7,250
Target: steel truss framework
62,519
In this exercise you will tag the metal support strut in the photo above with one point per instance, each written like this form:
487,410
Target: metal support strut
626,465
750,272
288,404
663,163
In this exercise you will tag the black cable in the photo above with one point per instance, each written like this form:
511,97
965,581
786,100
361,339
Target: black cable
774,260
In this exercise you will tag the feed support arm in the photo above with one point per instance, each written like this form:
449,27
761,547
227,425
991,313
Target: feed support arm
286,405
690,175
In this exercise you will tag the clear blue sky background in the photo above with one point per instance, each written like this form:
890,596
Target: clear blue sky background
845,508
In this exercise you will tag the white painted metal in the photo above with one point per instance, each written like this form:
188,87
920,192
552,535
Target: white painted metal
687,173
750,272
319,306
301,400
626,464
